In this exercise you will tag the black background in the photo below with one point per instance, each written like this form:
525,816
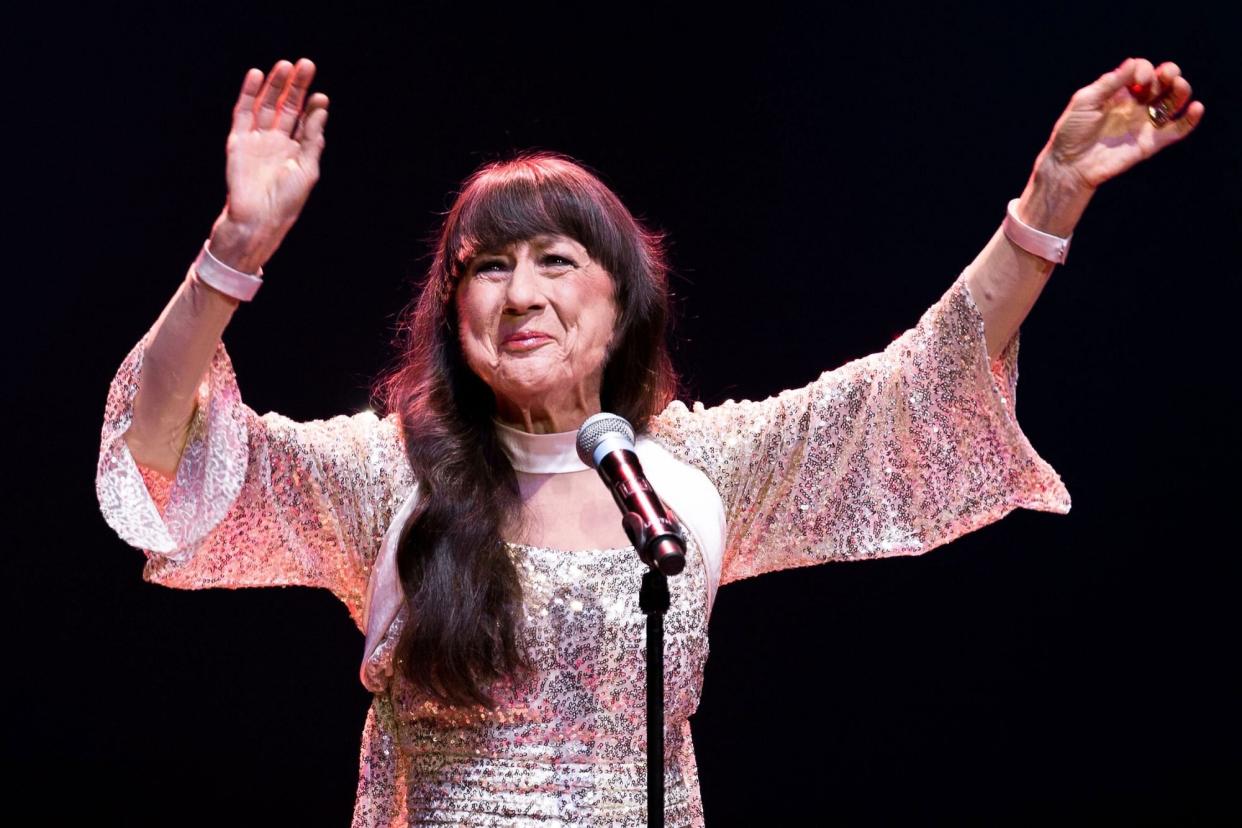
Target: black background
824,176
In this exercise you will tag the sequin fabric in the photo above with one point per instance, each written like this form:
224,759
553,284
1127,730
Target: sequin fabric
566,745
895,453
257,501
892,454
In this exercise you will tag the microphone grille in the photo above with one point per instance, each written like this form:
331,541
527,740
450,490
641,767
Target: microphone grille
598,428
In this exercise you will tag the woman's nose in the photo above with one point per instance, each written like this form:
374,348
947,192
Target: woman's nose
523,293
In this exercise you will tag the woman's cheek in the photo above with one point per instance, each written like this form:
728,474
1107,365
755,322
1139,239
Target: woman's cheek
479,354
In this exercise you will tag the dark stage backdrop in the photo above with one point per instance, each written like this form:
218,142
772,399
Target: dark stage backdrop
824,176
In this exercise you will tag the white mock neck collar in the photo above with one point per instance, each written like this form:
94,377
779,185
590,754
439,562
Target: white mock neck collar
541,453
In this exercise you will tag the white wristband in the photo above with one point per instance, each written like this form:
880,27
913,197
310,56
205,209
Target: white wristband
230,282
1036,242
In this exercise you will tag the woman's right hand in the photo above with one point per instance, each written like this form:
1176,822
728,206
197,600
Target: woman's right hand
273,162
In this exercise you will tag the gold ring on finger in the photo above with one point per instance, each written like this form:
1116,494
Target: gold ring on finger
1161,111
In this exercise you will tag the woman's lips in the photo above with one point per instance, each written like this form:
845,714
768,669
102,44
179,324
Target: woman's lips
525,341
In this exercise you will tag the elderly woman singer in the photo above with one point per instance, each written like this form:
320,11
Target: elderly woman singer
486,565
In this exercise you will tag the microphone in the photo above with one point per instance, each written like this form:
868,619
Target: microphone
606,443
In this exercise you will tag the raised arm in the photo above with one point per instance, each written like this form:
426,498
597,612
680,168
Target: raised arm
214,493
273,162
1105,130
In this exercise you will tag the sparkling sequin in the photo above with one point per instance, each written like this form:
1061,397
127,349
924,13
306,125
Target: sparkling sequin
257,501
895,453
892,454
566,746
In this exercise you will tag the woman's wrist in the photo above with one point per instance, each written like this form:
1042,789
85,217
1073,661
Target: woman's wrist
1054,199
242,248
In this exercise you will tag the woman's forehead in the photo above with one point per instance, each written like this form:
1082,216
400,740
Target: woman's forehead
539,241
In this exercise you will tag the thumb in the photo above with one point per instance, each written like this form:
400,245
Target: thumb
1109,83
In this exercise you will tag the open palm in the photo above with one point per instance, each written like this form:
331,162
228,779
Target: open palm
274,147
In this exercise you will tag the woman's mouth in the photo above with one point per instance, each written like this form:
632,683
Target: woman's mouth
525,341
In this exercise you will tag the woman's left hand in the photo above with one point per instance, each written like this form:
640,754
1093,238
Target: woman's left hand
1106,129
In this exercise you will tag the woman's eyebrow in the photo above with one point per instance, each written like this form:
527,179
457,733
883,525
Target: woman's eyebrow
495,253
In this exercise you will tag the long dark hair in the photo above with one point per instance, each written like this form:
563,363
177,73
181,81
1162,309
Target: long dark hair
462,590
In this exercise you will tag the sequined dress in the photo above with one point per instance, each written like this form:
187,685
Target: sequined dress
893,454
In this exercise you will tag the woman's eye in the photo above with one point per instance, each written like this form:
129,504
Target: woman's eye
490,267
557,261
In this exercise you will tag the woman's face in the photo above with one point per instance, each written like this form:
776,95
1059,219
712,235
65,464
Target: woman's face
535,320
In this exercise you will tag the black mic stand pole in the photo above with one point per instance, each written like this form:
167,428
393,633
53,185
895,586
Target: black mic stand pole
662,548
606,442
653,601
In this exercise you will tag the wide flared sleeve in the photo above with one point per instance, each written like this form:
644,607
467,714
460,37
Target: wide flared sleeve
257,500
895,453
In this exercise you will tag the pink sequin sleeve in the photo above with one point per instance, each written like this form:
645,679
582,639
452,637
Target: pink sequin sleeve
257,500
895,453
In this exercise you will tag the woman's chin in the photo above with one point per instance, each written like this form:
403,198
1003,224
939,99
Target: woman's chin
531,376
531,391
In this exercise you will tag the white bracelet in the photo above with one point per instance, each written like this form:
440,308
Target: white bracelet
230,282
1036,242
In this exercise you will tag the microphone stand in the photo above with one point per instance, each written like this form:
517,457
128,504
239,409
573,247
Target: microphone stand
653,601
606,442
661,547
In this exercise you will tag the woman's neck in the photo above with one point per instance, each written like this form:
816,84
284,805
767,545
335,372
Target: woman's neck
547,419
553,453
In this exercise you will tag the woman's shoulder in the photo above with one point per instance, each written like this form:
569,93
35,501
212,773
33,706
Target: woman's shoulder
681,430
366,445
676,415
668,427
385,438
363,433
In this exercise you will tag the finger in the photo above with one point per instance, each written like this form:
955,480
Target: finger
243,110
1171,105
290,104
316,101
1145,86
1184,125
1109,83
312,142
1163,79
265,107
1167,72
1178,92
